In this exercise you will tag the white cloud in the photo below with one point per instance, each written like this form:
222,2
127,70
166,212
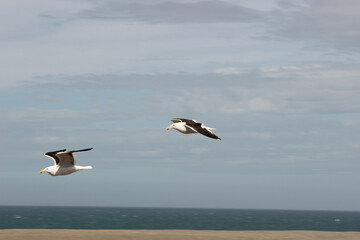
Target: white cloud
259,104
324,24
290,89
228,70
57,117
199,150
171,11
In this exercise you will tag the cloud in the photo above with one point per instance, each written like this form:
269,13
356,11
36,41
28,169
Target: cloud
259,104
199,150
209,11
286,89
47,116
323,24
68,46
228,70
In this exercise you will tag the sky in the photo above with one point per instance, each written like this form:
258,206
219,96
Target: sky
279,80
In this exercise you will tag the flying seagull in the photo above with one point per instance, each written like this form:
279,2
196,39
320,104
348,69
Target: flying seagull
64,162
188,126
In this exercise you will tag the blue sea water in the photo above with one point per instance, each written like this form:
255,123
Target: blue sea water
175,218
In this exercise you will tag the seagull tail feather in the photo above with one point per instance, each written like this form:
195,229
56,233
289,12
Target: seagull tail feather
83,168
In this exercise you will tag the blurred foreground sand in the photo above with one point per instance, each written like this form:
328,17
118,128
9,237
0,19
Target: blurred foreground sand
54,234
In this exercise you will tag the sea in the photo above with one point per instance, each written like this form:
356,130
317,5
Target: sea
14,217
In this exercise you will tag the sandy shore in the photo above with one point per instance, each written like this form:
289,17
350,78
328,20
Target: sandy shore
55,234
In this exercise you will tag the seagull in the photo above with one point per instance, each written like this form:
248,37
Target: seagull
188,126
64,162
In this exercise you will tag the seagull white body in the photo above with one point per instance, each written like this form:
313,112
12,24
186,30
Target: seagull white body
182,127
64,162
188,126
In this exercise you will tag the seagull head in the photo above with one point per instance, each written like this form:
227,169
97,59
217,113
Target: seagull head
171,126
51,170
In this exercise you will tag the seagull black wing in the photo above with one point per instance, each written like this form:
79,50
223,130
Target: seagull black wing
53,155
205,131
68,158
81,150
175,120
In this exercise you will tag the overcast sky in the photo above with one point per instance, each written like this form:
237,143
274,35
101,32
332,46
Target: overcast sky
278,79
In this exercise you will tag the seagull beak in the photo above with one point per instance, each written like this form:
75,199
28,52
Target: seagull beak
42,171
168,128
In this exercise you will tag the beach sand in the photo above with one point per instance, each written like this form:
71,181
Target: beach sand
54,234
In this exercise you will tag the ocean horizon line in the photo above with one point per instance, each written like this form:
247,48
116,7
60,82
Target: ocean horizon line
190,208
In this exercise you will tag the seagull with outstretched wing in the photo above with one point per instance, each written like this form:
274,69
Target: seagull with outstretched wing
64,162
188,126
